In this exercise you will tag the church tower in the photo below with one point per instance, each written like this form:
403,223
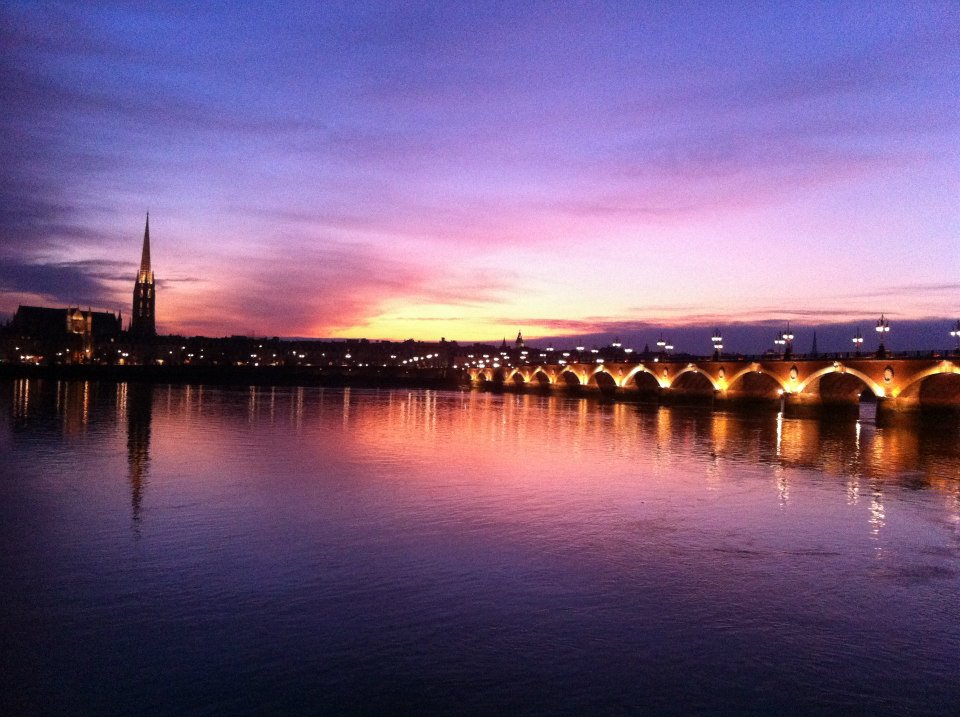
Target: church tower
143,325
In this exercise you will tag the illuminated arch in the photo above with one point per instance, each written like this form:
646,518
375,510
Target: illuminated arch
878,390
756,368
562,377
643,369
695,369
540,372
511,376
592,378
915,380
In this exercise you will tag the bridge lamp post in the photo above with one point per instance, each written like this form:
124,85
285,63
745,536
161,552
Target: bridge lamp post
883,328
787,342
955,333
717,341
661,344
780,342
857,342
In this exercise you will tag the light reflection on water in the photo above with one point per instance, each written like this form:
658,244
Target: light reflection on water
203,550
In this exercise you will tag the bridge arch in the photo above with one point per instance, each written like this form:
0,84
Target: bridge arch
541,377
817,376
742,375
686,382
602,379
569,377
936,387
642,374
517,377
914,383
500,375
692,384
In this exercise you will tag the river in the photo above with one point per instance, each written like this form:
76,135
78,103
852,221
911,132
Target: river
198,550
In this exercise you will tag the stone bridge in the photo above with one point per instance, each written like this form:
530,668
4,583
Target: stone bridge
896,383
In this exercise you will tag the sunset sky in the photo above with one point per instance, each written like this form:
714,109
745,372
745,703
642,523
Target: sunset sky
470,169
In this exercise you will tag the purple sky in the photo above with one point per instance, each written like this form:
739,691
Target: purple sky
468,170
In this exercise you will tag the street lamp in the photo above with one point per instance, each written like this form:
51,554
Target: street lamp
883,328
955,333
785,341
857,342
661,344
717,341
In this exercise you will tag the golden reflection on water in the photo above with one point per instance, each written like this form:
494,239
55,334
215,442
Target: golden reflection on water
925,452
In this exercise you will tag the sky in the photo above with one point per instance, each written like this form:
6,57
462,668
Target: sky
468,170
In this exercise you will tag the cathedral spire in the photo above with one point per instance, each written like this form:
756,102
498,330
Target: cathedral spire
145,258
143,323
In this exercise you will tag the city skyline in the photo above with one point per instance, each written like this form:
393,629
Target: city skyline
570,171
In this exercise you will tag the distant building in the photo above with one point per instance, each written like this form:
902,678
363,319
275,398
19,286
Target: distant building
41,322
62,334
143,324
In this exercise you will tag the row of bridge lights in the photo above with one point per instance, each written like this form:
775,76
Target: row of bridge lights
496,361
783,339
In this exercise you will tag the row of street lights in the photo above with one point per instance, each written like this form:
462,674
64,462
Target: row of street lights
784,339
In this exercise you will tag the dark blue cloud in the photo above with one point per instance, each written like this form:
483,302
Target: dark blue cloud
79,283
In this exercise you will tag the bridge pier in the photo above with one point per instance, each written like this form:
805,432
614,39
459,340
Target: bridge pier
899,404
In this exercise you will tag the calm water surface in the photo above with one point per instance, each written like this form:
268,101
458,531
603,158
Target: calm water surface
196,550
